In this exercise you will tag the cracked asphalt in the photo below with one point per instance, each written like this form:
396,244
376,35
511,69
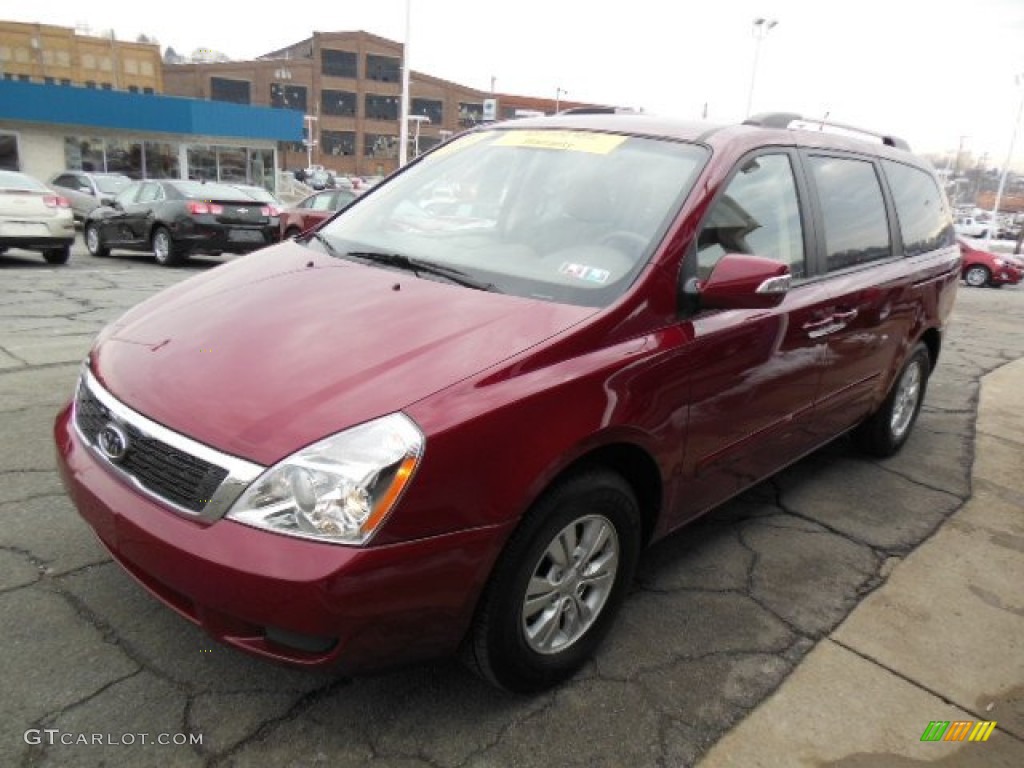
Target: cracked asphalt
720,614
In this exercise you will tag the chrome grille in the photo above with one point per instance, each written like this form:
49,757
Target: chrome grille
172,473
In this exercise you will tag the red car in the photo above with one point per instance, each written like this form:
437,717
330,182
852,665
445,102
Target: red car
313,210
399,436
981,268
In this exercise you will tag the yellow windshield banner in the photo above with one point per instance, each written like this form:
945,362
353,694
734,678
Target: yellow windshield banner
572,141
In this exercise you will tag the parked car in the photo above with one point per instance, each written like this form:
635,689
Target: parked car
395,438
174,218
980,268
35,218
313,210
972,226
86,190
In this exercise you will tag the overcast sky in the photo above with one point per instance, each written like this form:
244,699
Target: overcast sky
929,72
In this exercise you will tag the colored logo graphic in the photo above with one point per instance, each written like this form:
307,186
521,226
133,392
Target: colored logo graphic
958,730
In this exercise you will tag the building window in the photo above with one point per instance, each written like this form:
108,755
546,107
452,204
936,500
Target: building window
48,57
380,145
202,163
90,83
8,152
427,143
107,86
88,61
105,64
124,157
383,69
338,63
8,76
5,53
232,165
24,78
63,59
131,66
381,107
429,108
261,168
338,103
21,55
162,161
83,154
147,68
338,142
49,80
65,81
147,89
470,114
225,89
133,89
288,96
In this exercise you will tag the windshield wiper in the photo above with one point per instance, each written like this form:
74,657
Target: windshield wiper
417,266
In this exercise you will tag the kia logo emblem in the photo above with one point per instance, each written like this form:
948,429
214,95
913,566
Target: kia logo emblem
112,441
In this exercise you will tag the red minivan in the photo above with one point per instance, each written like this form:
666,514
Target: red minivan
451,417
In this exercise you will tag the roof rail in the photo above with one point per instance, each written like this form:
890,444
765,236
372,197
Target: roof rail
791,120
599,111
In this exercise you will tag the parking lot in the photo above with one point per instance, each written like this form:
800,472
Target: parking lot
98,673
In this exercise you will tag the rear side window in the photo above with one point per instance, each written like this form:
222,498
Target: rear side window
759,213
924,219
853,211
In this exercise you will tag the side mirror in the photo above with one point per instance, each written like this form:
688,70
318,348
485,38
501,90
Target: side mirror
116,204
742,281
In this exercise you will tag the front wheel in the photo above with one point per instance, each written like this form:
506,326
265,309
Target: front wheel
977,276
167,255
884,432
93,241
557,587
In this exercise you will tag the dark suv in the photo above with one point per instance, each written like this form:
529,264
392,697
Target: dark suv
452,416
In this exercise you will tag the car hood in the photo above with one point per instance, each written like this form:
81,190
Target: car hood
265,355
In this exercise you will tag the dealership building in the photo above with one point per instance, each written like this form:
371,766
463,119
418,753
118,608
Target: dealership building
45,129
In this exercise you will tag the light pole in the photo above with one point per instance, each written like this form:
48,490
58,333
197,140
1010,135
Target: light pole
1019,82
559,93
760,31
403,128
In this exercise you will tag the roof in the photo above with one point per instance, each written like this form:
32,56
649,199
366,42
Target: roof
151,113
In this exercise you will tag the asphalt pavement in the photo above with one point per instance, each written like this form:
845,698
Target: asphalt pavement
826,617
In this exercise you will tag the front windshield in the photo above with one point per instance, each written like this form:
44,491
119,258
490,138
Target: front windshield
558,215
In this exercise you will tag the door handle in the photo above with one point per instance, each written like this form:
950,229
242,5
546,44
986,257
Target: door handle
845,317
817,325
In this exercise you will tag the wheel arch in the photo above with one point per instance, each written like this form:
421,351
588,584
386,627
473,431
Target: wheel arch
634,465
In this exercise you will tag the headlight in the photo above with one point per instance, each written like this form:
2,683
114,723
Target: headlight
340,489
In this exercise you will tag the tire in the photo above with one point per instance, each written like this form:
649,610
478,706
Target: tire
977,276
94,243
885,431
60,255
292,232
165,251
526,641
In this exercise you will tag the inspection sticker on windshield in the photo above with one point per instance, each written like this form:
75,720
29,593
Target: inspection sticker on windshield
573,141
583,272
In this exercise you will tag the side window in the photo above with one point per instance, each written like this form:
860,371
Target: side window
322,202
150,193
853,210
759,213
923,216
127,195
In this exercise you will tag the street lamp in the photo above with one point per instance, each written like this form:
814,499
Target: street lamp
760,31
559,93
1019,82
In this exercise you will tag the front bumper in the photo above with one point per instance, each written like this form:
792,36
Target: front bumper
289,599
